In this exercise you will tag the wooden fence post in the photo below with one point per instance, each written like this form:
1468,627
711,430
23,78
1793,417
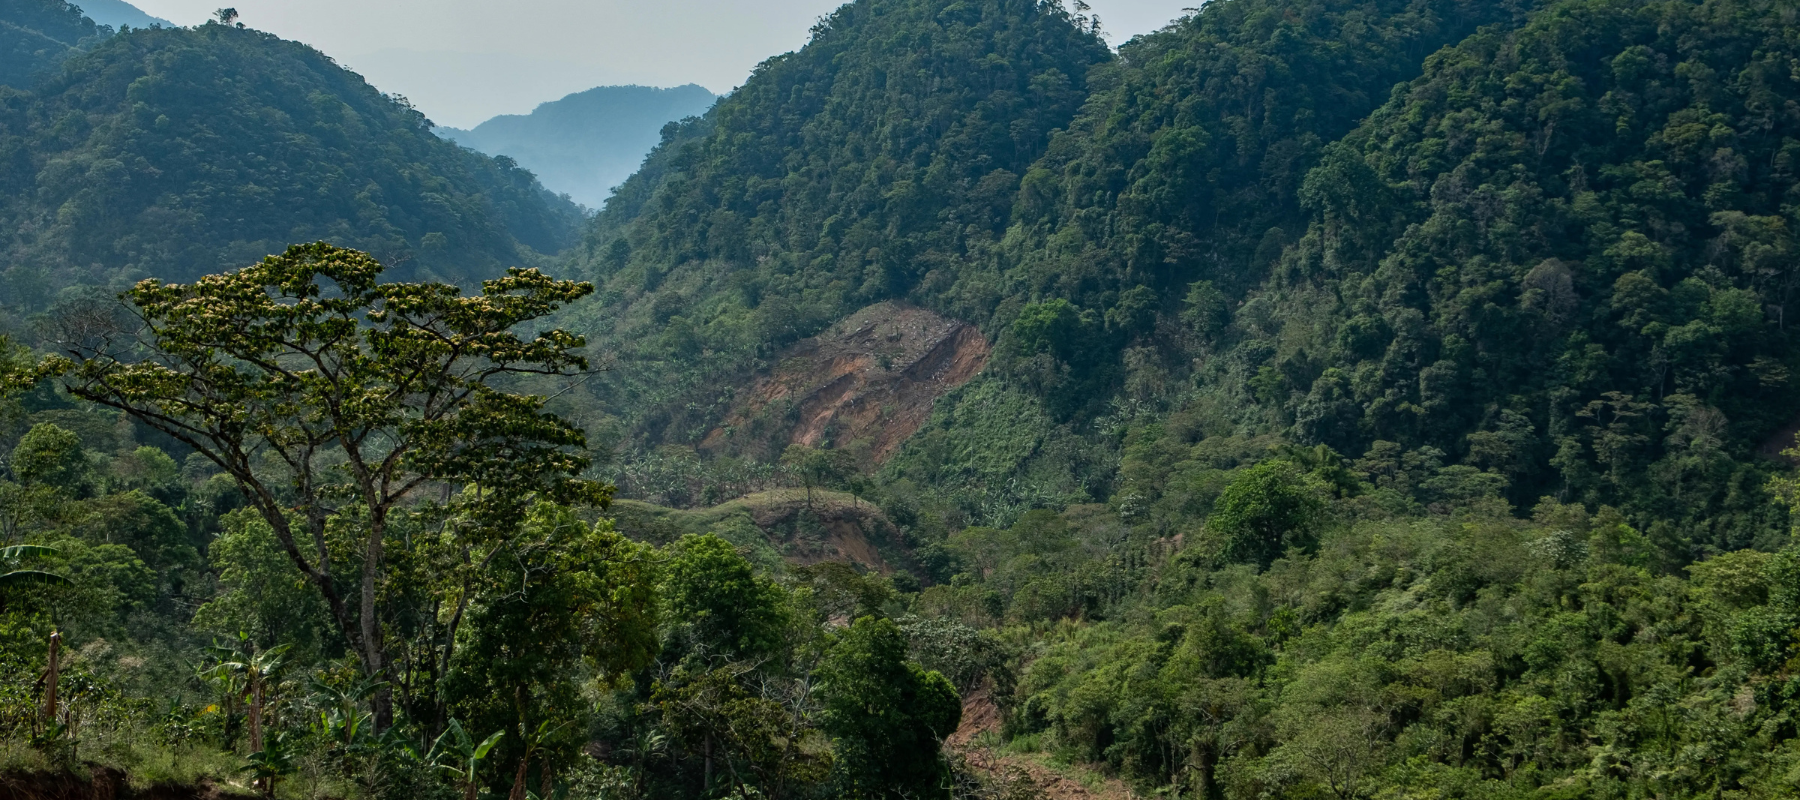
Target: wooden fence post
52,678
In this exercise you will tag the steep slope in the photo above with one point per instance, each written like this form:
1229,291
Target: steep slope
778,214
1186,164
1562,256
842,174
589,142
1168,198
179,152
871,380
35,35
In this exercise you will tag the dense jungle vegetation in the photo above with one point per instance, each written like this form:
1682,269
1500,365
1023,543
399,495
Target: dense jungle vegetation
36,35
176,152
1387,399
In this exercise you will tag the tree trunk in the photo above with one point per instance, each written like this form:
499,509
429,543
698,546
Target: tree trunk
518,790
52,677
374,663
256,709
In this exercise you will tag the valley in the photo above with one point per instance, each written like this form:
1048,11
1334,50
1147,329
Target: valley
1308,398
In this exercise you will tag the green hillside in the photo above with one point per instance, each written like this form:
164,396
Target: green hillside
35,35
1558,257
1349,399
179,152
1183,164
877,157
1219,236
1186,164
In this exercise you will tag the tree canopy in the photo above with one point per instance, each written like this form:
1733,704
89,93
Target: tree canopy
328,396
176,152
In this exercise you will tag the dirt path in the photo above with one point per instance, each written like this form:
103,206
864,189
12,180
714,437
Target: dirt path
1044,779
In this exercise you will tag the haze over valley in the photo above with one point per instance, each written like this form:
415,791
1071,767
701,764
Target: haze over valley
959,399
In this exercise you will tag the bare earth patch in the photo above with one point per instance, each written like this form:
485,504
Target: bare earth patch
1043,778
872,377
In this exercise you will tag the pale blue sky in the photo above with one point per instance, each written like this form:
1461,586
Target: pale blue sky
462,61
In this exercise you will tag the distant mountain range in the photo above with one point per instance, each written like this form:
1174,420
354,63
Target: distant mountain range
589,142
118,14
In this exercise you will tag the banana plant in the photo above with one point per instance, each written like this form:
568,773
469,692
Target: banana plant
269,764
261,669
534,741
226,678
21,578
341,718
457,756
243,674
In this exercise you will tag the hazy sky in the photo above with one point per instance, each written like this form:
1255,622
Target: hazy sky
462,61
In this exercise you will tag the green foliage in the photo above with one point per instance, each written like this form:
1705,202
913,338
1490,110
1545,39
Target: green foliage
14,579
176,152
1546,271
52,457
1482,653
714,593
261,592
1577,296
856,169
584,595
887,716
1264,511
36,35
391,380
756,740
818,467
1185,164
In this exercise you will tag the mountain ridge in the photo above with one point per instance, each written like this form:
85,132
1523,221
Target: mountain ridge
118,14
585,144
146,184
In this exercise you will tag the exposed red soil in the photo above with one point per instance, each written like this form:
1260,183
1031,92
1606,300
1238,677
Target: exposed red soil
872,377
980,716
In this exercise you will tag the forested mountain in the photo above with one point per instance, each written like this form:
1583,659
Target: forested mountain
1363,399
1558,256
35,35
884,152
177,152
1214,236
1182,165
586,144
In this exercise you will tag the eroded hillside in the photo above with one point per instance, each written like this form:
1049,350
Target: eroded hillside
870,379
